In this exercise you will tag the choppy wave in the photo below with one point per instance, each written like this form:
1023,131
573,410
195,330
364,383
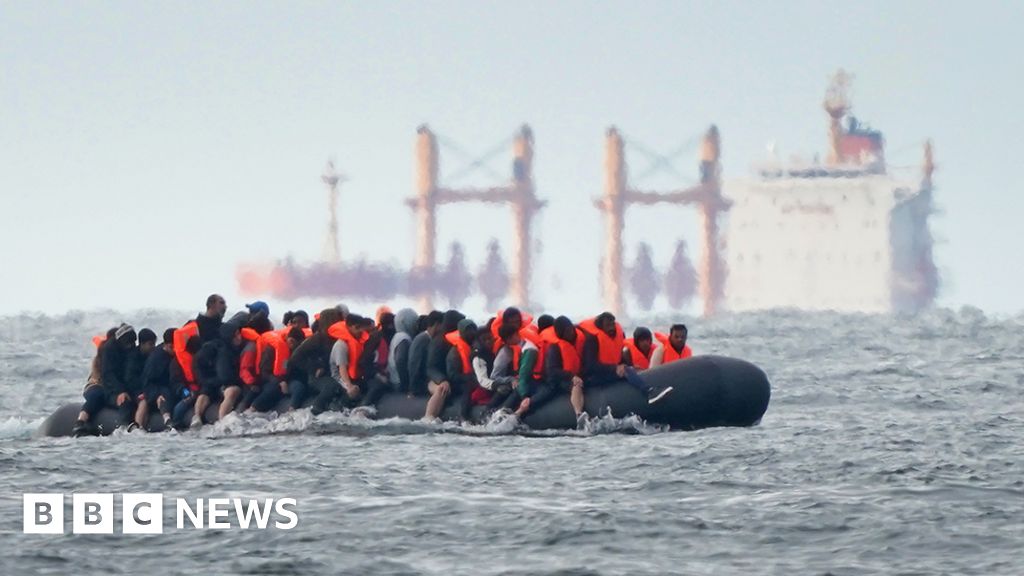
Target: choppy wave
893,444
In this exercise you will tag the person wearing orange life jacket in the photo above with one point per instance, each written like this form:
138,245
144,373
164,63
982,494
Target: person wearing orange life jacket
274,352
602,357
673,347
519,358
638,349
184,387
459,364
494,391
248,368
345,370
259,317
562,366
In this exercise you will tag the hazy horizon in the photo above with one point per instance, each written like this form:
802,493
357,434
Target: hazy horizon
147,149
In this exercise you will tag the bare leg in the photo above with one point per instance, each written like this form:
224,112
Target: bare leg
576,398
202,403
438,394
142,414
231,395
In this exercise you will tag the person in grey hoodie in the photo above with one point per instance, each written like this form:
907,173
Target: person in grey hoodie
406,321
418,354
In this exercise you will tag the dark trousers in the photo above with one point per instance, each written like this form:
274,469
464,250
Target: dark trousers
249,395
271,395
181,409
330,390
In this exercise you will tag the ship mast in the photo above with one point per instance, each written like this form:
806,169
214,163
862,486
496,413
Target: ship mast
330,177
837,104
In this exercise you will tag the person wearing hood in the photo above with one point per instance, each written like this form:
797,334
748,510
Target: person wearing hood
459,363
106,387
406,321
437,365
156,382
418,351
216,368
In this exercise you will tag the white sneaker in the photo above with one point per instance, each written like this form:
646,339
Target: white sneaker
197,422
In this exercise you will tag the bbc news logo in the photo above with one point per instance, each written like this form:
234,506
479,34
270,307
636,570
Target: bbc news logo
144,513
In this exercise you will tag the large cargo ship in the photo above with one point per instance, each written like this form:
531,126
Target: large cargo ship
844,234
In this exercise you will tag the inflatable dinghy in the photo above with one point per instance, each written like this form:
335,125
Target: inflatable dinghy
707,391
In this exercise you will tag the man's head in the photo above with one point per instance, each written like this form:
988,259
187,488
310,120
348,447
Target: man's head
677,336
216,306
231,333
168,344
509,334
299,319
512,316
328,317
643,339
294,337
605,322
387,325
485,339
565,329
125,336
544,322
258,309
467,331
451,320
434,322
147,340
356,325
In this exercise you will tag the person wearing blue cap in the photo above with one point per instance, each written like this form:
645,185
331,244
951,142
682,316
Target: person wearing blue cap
259,317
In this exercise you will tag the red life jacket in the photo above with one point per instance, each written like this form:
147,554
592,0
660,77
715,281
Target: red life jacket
340,331
181,336
640,360
247,366
569,351
609,350
281,352
99,340
670,353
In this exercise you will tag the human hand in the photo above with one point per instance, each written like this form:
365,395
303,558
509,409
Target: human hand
620,370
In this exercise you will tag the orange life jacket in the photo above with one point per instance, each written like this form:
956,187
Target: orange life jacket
340,331
99,340
281,351
527,321
569,351
670,353
609,350
181,336
464,349
640,360
250,335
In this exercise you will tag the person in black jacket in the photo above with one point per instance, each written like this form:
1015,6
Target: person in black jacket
440,389
418,349
216,368
309,365
209,322
273,387
156,382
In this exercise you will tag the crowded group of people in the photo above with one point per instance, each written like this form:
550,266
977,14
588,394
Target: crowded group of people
511,365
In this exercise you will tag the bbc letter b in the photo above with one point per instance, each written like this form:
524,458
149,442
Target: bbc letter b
43,514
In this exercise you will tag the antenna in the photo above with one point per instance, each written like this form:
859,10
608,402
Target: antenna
330,177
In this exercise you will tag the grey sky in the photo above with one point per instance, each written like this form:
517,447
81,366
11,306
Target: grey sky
146,148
